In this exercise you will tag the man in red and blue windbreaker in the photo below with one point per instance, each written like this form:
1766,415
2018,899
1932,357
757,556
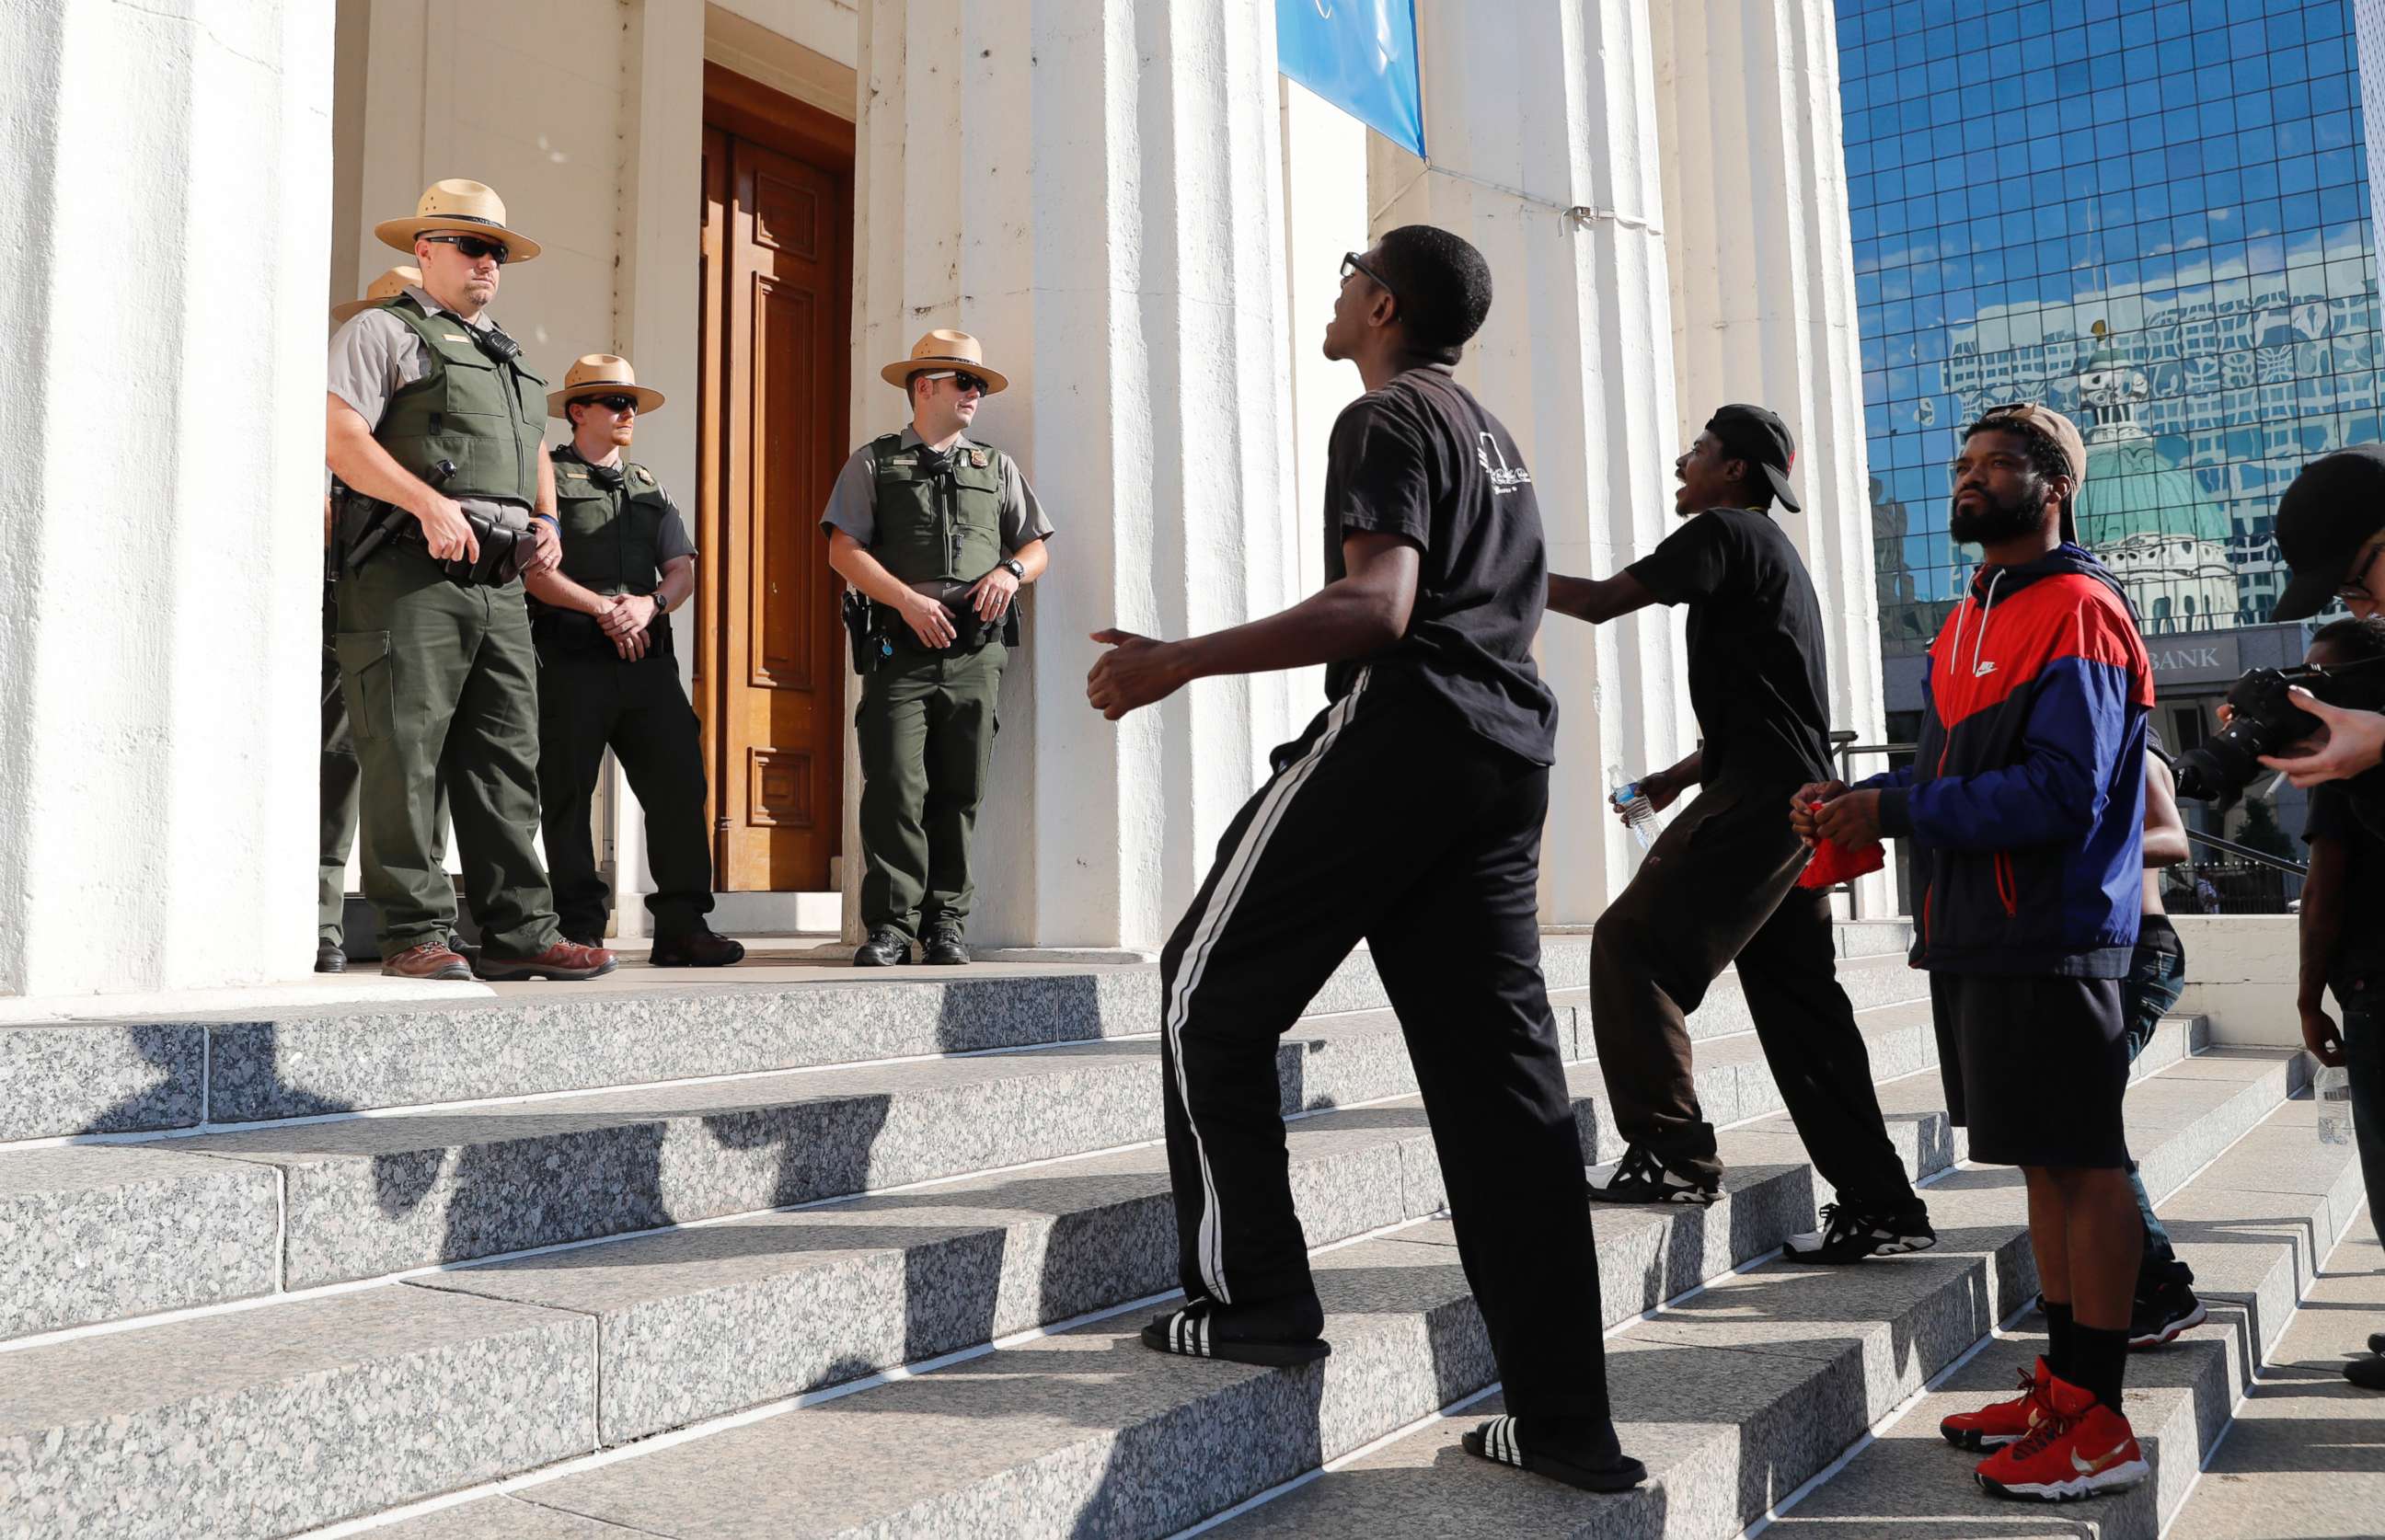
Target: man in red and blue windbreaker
2025,807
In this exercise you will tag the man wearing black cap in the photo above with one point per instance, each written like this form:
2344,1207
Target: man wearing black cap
1721,882
2331,532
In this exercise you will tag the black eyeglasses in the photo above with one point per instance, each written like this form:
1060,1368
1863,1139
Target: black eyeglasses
1353,263
473,247
2356,582
612,403
962,380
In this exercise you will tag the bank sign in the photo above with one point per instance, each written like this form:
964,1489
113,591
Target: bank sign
1360,55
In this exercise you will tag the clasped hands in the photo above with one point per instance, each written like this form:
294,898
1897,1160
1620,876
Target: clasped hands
624,620
931,620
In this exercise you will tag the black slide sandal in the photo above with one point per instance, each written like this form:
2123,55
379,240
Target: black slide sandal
1191,1333
1495,1441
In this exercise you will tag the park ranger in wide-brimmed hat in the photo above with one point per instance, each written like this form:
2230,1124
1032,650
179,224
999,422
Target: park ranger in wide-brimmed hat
936,532
609,677
435,420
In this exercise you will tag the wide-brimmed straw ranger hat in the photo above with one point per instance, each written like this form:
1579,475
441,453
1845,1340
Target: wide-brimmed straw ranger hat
466,207
943,349
391,285
601,373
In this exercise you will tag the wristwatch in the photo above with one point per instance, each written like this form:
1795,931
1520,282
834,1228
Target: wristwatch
1017,569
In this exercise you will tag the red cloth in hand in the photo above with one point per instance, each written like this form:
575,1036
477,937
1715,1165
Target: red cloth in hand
1833,863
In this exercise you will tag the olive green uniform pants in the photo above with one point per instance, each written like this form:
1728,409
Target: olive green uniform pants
590,699
442,682
926,728
337,832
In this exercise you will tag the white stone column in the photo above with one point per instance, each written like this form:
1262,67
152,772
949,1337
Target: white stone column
1540,120
1764,292
1094,190
161,492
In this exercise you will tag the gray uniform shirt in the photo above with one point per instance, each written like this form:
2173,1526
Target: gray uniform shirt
374,355
852,509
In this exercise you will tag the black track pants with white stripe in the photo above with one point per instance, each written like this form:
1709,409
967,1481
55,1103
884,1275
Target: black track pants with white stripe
1389,821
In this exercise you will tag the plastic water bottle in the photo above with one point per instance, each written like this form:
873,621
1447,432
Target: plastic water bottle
2332,1091
1625,793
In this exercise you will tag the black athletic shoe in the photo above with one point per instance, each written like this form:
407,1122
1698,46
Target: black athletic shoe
2368,1373
943,948
1640,1177
2159,1317
1850,1232
886,948
2376,1343
1278,1337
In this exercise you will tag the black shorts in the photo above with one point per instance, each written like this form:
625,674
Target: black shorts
2035,1067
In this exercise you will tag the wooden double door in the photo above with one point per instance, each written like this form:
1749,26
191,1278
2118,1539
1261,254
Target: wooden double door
770,664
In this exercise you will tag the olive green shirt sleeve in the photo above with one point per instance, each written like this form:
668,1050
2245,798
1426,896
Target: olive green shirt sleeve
1022,514
850,505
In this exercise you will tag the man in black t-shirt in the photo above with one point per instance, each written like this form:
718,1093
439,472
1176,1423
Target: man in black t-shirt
2343,929
1721,884
1408,815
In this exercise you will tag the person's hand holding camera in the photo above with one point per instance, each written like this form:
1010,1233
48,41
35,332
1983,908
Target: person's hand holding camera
1802,815
928,619
2349,742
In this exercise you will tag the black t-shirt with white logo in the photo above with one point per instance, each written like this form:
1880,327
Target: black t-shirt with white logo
1756,646
1421,458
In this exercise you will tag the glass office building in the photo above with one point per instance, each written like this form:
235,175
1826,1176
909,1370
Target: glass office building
2152,215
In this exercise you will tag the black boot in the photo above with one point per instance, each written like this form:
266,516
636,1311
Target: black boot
330,958
887,948
944,947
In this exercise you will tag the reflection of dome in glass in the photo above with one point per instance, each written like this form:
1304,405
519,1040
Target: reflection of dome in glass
2130,490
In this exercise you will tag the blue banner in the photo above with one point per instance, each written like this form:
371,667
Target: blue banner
1360,55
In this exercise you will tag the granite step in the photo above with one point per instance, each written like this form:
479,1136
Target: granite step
86,1077
1741,1396
666,1329
2257,1226
2300,1461
1761,1376
362,1197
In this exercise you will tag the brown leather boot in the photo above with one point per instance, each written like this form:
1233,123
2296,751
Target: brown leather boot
425,959
563,960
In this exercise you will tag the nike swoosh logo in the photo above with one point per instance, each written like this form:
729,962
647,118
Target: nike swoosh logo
2088,1468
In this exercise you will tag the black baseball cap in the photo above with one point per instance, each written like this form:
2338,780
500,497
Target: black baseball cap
1760,438
2323,520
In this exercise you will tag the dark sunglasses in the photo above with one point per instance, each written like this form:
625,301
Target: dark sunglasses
1353,263
963,380
473,247
612,403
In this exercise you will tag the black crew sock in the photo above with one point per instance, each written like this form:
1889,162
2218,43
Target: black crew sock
2098,1358
2058,1338
1584,1440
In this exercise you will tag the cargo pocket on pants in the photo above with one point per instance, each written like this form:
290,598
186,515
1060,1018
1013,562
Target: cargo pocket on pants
364,667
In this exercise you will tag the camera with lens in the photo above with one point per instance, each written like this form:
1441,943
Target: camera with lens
2265,720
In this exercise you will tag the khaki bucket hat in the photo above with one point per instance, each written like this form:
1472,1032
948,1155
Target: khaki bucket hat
466,207
387,287
601,373
943,349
